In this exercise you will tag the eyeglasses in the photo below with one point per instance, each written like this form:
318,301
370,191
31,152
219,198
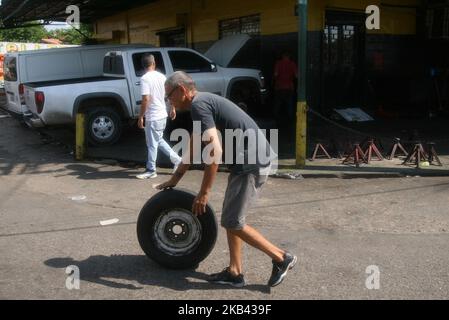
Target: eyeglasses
171,92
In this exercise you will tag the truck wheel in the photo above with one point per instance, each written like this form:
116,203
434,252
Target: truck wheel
171,235
104,126
238,98
245,95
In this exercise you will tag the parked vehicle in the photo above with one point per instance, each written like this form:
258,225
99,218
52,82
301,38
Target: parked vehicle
50,64
12,46
114,98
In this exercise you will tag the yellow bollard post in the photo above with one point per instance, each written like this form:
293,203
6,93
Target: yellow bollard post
301,133
301,109
80,148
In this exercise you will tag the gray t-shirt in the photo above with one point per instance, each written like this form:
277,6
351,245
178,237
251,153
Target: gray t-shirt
245,148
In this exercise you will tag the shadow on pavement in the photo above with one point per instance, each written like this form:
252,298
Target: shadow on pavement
113,271
87,172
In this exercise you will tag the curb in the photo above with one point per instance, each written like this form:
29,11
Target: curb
300,174
369,175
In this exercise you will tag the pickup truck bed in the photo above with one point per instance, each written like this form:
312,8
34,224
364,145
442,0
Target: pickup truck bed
57,102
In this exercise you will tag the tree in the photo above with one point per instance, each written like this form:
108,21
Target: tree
71,35
37,33
26,34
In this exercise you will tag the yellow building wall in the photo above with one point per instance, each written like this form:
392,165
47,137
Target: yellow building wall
203,16
277,17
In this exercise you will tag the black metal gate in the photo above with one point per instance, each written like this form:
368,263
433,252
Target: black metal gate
343,57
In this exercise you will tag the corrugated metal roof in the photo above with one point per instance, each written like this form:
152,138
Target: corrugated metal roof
15,13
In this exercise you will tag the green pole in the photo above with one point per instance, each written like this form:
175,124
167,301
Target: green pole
301,108
80,148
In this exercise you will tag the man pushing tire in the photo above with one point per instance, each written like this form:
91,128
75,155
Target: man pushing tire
218,116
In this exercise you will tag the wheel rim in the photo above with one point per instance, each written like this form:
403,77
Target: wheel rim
177,232
103,127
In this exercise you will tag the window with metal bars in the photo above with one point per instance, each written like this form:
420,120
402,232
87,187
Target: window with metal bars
438,23
244,25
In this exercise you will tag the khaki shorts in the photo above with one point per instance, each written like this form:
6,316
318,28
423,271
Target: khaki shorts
241,192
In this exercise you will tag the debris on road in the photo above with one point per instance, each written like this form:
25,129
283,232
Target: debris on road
78,198
288,175
109,222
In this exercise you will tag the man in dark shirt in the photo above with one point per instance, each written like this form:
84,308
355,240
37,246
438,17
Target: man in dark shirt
249,171
284,76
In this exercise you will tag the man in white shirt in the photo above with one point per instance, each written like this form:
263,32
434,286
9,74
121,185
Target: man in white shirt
154,110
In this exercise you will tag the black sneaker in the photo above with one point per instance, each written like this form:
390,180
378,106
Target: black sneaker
225,277
280,269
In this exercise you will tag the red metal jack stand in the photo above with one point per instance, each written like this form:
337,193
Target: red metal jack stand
319,146
433,154
416,155
357,155
372,148
395,147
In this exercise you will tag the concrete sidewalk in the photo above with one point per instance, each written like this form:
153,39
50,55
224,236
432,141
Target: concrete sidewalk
130,151
333,168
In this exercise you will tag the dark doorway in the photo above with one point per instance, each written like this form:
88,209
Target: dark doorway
172,38
343,60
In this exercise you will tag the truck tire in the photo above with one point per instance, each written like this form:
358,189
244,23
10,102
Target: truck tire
104,126
245,95
239,99
171,235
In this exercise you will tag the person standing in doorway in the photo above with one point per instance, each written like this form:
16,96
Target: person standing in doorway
284,76
153,116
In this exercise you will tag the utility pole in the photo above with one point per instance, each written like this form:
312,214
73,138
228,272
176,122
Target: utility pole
301,107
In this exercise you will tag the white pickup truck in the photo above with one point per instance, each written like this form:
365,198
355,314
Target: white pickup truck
114,99
51,64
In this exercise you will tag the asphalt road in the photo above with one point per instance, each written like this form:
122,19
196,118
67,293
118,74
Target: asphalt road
51,208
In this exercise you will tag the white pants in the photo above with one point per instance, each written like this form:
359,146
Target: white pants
154,131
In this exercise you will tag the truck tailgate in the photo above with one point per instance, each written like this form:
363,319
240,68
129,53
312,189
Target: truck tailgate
30,101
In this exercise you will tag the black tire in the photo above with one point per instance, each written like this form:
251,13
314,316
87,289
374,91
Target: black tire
104,126
238,98
243,95
184,247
